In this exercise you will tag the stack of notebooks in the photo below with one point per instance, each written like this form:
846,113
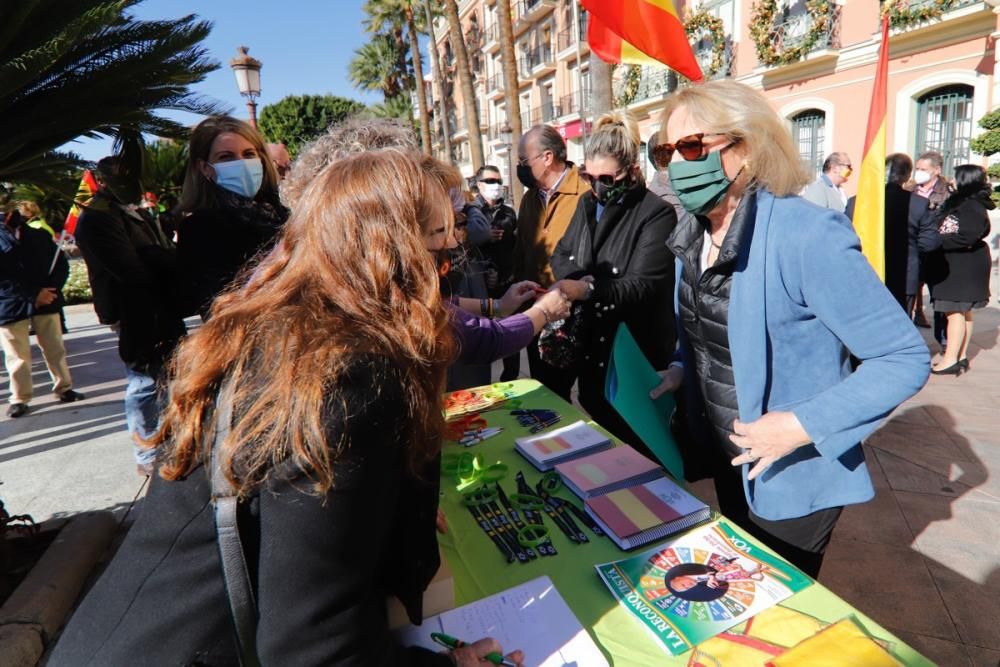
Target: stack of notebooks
546,450
630,497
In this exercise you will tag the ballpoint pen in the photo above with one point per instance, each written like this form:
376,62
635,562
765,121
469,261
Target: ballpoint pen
450,642
475,437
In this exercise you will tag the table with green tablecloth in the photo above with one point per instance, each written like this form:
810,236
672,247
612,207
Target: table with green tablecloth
480,570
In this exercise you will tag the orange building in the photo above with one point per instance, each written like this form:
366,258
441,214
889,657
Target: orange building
816,63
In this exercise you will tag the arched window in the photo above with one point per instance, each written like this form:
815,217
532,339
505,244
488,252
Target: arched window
944,124
808,128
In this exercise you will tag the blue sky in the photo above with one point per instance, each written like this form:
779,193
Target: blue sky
305,46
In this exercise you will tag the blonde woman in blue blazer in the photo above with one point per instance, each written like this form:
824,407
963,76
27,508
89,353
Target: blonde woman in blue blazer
773,298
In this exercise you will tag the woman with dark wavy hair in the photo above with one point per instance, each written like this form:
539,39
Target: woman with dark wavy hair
959,275
334,360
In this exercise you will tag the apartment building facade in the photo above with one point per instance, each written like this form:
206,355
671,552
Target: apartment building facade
942,72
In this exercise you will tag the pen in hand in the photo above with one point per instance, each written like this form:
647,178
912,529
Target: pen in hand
451,642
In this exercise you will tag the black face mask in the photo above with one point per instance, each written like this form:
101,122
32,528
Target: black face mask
525,176
609,194
125,190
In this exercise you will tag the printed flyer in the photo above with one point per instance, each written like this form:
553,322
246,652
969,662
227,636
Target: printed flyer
700,584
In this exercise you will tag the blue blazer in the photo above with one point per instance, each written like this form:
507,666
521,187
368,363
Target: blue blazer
803,299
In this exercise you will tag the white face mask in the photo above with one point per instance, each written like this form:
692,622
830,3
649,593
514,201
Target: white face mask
490,191
921,176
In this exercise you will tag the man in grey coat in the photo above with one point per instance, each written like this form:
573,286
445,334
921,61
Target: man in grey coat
826,190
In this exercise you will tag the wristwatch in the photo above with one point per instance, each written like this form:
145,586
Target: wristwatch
590,291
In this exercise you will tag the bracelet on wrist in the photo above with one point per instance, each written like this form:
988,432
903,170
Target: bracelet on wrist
483,307
492,308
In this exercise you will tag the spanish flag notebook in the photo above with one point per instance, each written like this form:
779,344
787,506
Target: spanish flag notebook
646,513
545,450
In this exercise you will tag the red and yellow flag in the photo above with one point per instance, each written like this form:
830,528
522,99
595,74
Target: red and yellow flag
869,211
640,32
84,193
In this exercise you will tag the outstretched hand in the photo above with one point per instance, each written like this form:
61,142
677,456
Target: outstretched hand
516,295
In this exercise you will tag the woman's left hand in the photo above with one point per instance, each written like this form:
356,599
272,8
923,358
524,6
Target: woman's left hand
768,439
516,295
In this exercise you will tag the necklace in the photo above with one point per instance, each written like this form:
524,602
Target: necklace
715,245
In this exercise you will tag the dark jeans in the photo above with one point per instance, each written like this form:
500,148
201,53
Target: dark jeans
801,541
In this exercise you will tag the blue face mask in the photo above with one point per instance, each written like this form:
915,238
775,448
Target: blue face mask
240,176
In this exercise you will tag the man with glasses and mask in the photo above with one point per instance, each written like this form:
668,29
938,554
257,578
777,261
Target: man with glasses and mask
554,188
826,191
491,227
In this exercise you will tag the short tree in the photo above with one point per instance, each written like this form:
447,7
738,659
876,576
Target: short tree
297,119
988,143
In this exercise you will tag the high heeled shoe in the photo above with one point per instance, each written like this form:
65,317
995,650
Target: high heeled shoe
964,363
954,369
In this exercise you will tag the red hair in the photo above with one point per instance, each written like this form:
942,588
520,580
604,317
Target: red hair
350,277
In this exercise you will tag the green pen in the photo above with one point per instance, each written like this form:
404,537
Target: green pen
450,642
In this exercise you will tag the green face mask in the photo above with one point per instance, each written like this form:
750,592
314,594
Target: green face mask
700,184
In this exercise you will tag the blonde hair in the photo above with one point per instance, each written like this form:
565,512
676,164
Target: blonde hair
741,113
199,192
615,135
29,209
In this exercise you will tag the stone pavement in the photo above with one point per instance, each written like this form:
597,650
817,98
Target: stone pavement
923,558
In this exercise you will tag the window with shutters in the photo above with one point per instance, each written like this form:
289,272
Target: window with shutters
808,128
944,124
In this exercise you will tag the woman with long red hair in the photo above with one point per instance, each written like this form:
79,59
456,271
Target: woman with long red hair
333,361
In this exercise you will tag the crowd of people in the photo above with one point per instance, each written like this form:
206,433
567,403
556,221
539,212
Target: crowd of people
343,294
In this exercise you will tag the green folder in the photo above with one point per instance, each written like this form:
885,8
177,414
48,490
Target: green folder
630,379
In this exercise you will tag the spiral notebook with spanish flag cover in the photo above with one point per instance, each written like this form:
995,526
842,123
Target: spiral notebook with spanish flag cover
645,513
545,450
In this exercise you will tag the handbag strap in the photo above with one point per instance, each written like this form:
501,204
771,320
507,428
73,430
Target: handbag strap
234,564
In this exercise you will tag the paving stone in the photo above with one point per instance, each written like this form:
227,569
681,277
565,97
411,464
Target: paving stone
962,534
974,607
939,651
889,583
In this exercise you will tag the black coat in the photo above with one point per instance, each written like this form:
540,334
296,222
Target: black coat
633,273
909,231
214,245
960,270
24,271
132,270
481,219
923,238
321,567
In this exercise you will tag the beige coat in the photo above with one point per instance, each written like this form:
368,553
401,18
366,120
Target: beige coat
539,228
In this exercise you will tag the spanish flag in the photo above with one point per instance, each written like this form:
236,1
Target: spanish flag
869,211
84,192
640,32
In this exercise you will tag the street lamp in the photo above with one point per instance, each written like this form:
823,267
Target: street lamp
247,71
507,135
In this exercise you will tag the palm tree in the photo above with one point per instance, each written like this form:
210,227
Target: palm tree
89,68
394,107
384,16
437,74
375,67
471,109
511,86
600,77
164,164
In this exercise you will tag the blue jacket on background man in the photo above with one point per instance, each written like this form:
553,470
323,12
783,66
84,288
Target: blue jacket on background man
803,300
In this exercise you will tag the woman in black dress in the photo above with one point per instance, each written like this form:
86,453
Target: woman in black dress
959,274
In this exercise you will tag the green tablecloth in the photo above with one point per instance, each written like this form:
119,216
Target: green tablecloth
480,570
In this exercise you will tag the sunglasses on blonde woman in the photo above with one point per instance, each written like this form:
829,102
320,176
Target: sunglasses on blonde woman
691,147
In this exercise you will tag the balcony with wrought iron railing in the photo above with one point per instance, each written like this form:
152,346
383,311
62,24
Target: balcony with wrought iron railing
532,10
706,56
795,30
567,39
494,84
653,82
570,104
945,10
540,60
491,37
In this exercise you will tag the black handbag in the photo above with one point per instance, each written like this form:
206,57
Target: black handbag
234,564
561,344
